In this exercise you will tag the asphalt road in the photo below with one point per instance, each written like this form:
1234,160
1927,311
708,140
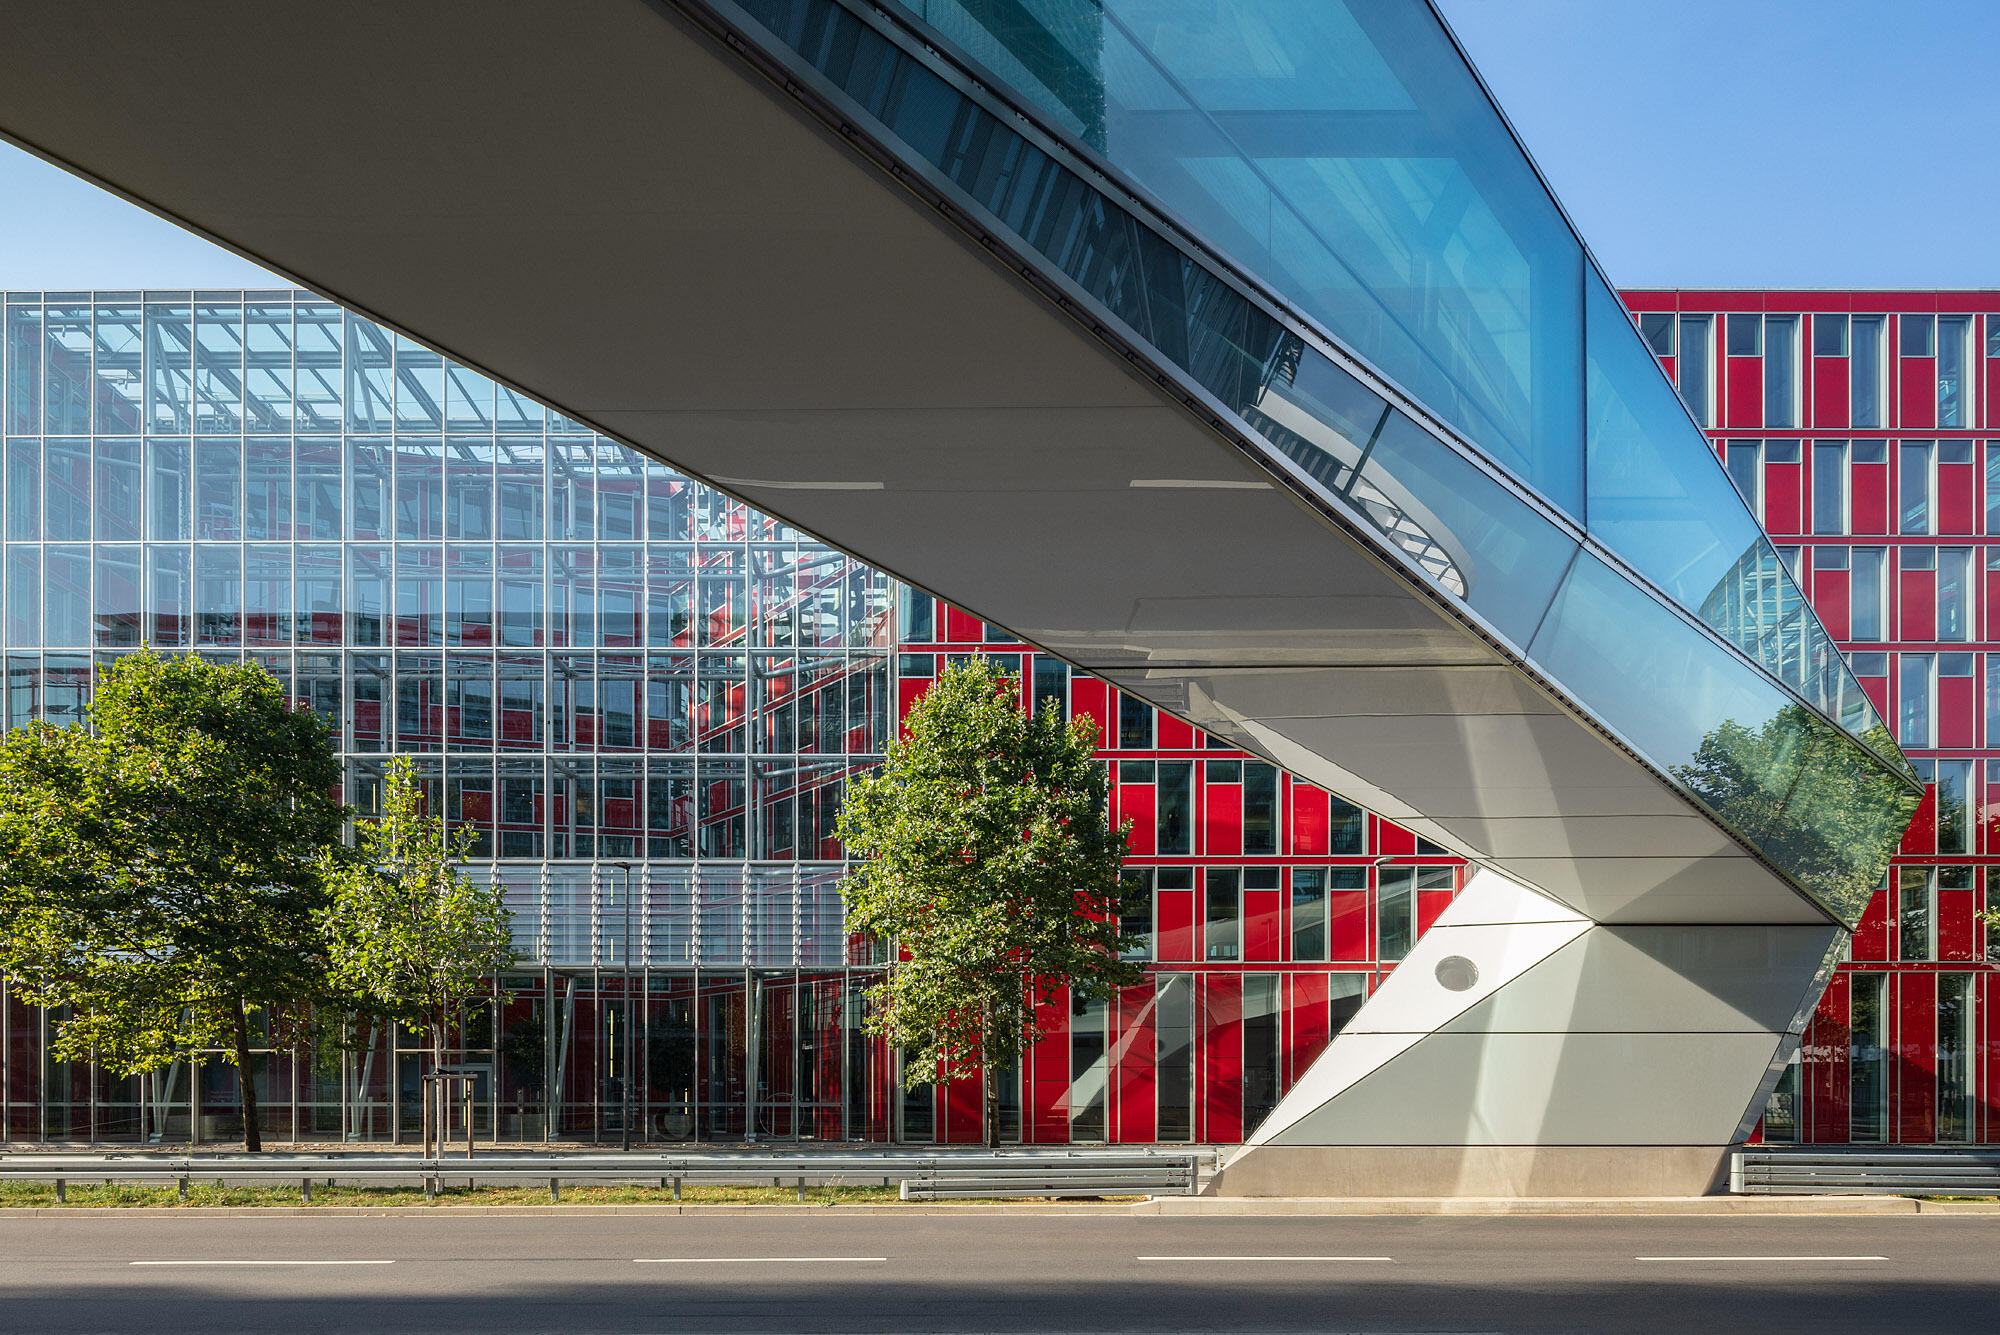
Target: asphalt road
101,1271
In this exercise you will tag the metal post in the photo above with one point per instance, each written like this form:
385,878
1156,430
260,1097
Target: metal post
625,1038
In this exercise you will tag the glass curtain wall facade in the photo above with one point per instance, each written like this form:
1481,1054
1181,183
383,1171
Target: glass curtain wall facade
645,699
1863,429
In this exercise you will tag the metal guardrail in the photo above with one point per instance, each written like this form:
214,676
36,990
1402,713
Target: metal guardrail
1016,1174
1166,1177
1869,1172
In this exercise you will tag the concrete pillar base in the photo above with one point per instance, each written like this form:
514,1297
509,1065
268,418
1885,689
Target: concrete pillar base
1474,1170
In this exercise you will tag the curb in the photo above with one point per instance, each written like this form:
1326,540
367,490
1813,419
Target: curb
548,1211
1174,1207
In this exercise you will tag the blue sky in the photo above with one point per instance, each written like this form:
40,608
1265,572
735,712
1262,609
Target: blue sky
1734,143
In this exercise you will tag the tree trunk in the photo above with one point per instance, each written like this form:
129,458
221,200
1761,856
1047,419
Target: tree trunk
990,1079
246,1085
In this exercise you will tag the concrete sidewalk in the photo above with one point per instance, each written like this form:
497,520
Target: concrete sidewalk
1186,1207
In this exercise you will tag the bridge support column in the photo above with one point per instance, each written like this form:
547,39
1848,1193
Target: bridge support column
1523,1050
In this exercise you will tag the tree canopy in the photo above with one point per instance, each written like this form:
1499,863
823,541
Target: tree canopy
987,859
409,936
161,871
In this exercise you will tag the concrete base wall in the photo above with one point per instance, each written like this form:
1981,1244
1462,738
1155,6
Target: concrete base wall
1473,1170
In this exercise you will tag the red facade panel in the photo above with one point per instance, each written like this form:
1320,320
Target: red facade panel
1957,716
1825,1055
1176,925
1136,804
1957,924
1222,819
1743,392
1347,924
1091,697
1392,840
1829,393
1048,1074
1916,393
1868,499
1222,1057
1914,1084
1263,928
1871,933
1132,1060
1957,499
1829,599
1916,604
1306,1030
1783,515
1309,820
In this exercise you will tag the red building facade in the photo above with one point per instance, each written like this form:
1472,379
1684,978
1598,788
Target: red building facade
1276,909
1857,425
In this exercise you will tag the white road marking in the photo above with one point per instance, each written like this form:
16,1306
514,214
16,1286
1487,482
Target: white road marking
260,1263
1760,1258
1264,1258
755,1260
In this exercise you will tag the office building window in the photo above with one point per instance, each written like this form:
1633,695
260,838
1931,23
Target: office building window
1345,993
1865,371
1829,486
1261,998
1173,817
1657,328
1742,458
1953,388
1956,1110
1993,487
1089,1076
1829,334
1051,684
1135,912
1745,335
1867,1057
1913,487
1135,723
1954,794
1309,913
1692,367
1781,378
1913,700
1396,912
1222,922
1173,1055
1916,939
1781,1110
1954,593
1917,333
1868,594
1260,808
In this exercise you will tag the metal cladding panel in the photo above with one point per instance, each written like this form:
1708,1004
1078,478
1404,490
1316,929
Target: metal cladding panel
1662,978
1512,1024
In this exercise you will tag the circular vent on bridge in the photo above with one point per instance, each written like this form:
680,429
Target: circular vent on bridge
1456,973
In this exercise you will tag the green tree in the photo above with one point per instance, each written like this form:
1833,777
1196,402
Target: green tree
408,935
990,868
161,870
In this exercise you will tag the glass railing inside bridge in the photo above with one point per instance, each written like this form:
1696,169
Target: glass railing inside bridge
1342,158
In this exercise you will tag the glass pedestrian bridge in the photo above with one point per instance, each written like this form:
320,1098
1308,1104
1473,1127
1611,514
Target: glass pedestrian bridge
1232,350
1317,218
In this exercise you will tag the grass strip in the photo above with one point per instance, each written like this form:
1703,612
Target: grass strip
123,1195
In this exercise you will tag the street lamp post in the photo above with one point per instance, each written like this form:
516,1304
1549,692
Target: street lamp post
625,1058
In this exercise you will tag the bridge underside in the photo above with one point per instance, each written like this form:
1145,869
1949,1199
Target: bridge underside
740,293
